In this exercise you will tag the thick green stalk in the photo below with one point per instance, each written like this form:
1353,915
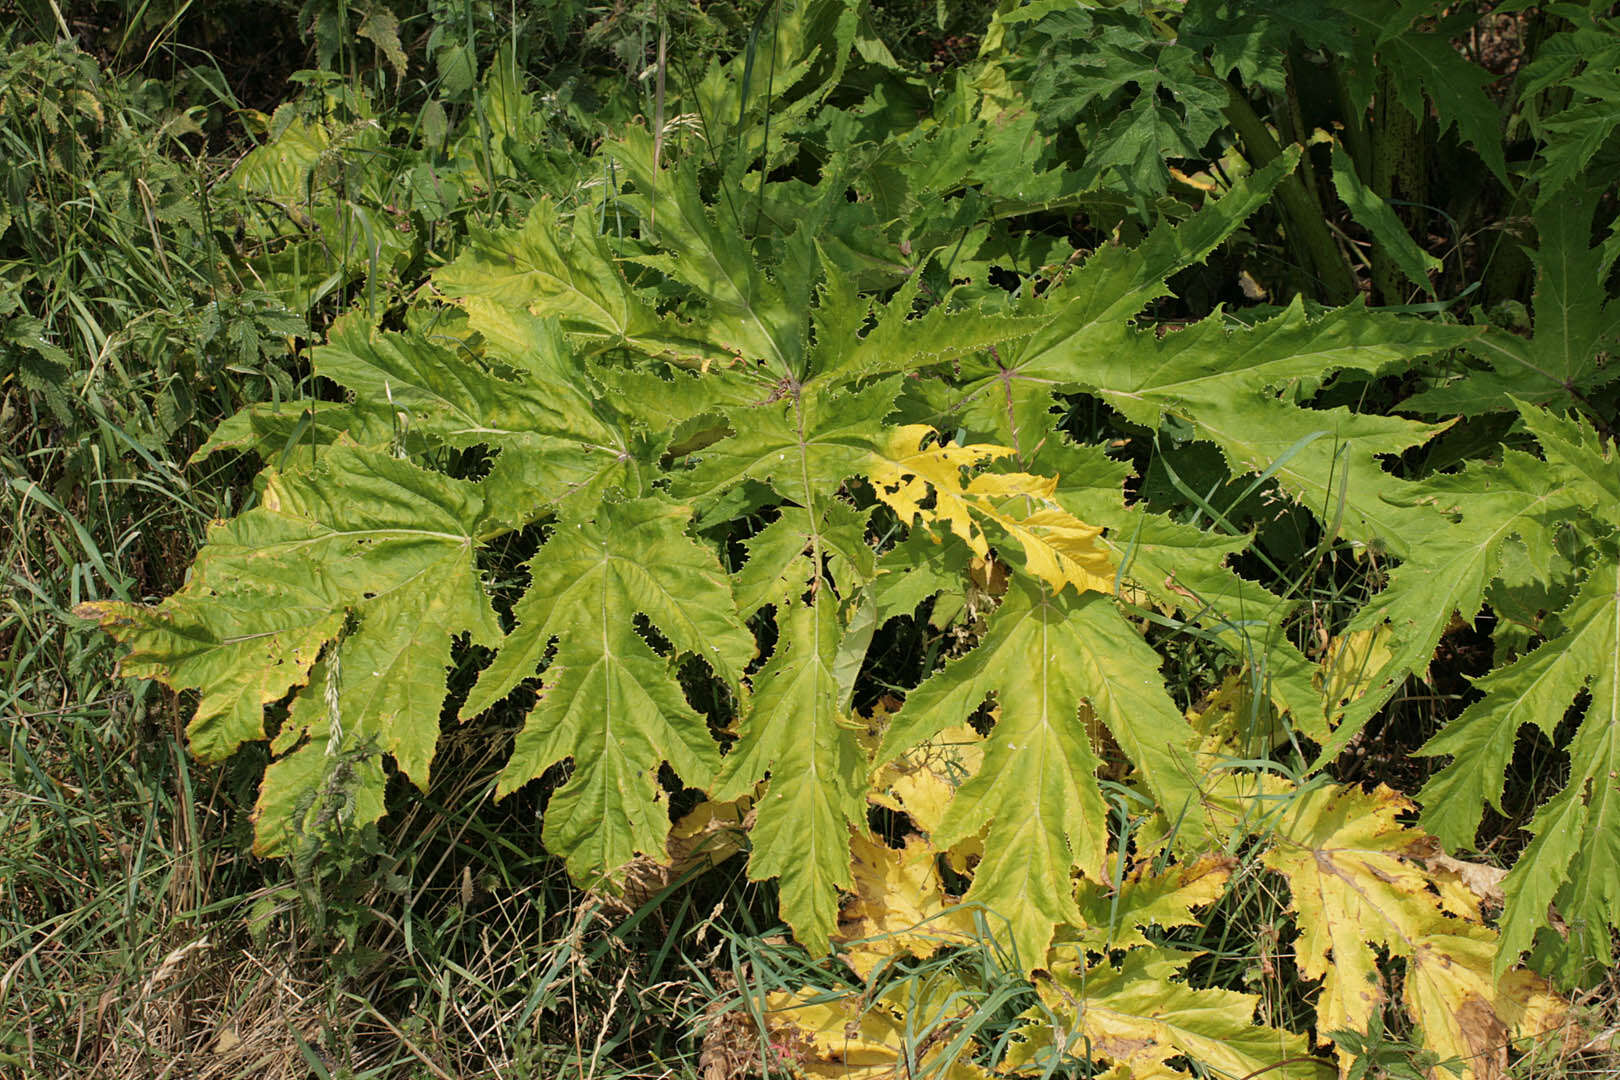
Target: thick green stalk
1306,226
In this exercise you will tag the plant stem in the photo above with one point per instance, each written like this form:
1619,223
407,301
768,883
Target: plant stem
1305,225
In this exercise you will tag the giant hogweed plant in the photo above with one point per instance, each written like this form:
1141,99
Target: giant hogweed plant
742,452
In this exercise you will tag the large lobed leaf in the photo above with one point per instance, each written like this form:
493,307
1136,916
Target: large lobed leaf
609,701
365,556
1049,661
1569,865
1359,882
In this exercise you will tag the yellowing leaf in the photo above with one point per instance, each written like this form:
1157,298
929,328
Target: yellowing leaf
1465,885
707,835
905,476
1359,883
710,831
1233,724
1347,861
1464,1012
314,788
1059,548
1147,900
1350,662
899,906
376,542
921,782
838,1038
1140,1019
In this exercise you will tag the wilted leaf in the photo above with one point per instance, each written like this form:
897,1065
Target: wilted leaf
900,906
1359,884
841,1040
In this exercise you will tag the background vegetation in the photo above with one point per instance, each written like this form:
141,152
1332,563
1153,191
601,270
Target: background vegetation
194,194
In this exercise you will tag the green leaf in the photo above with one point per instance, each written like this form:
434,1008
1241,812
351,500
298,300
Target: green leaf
796,735
746,311
1585,464
804,445
438,393
566,274
276,430
1043,658
779,567
1451,560
1577,832
1252,38
1424,65
1535,689
1375,215
1221,381
901,343
609,701
1140,1017
1579,64
553,442
381,28
1183,567
376,540
918,567
1576,326
1089,313
1138,99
